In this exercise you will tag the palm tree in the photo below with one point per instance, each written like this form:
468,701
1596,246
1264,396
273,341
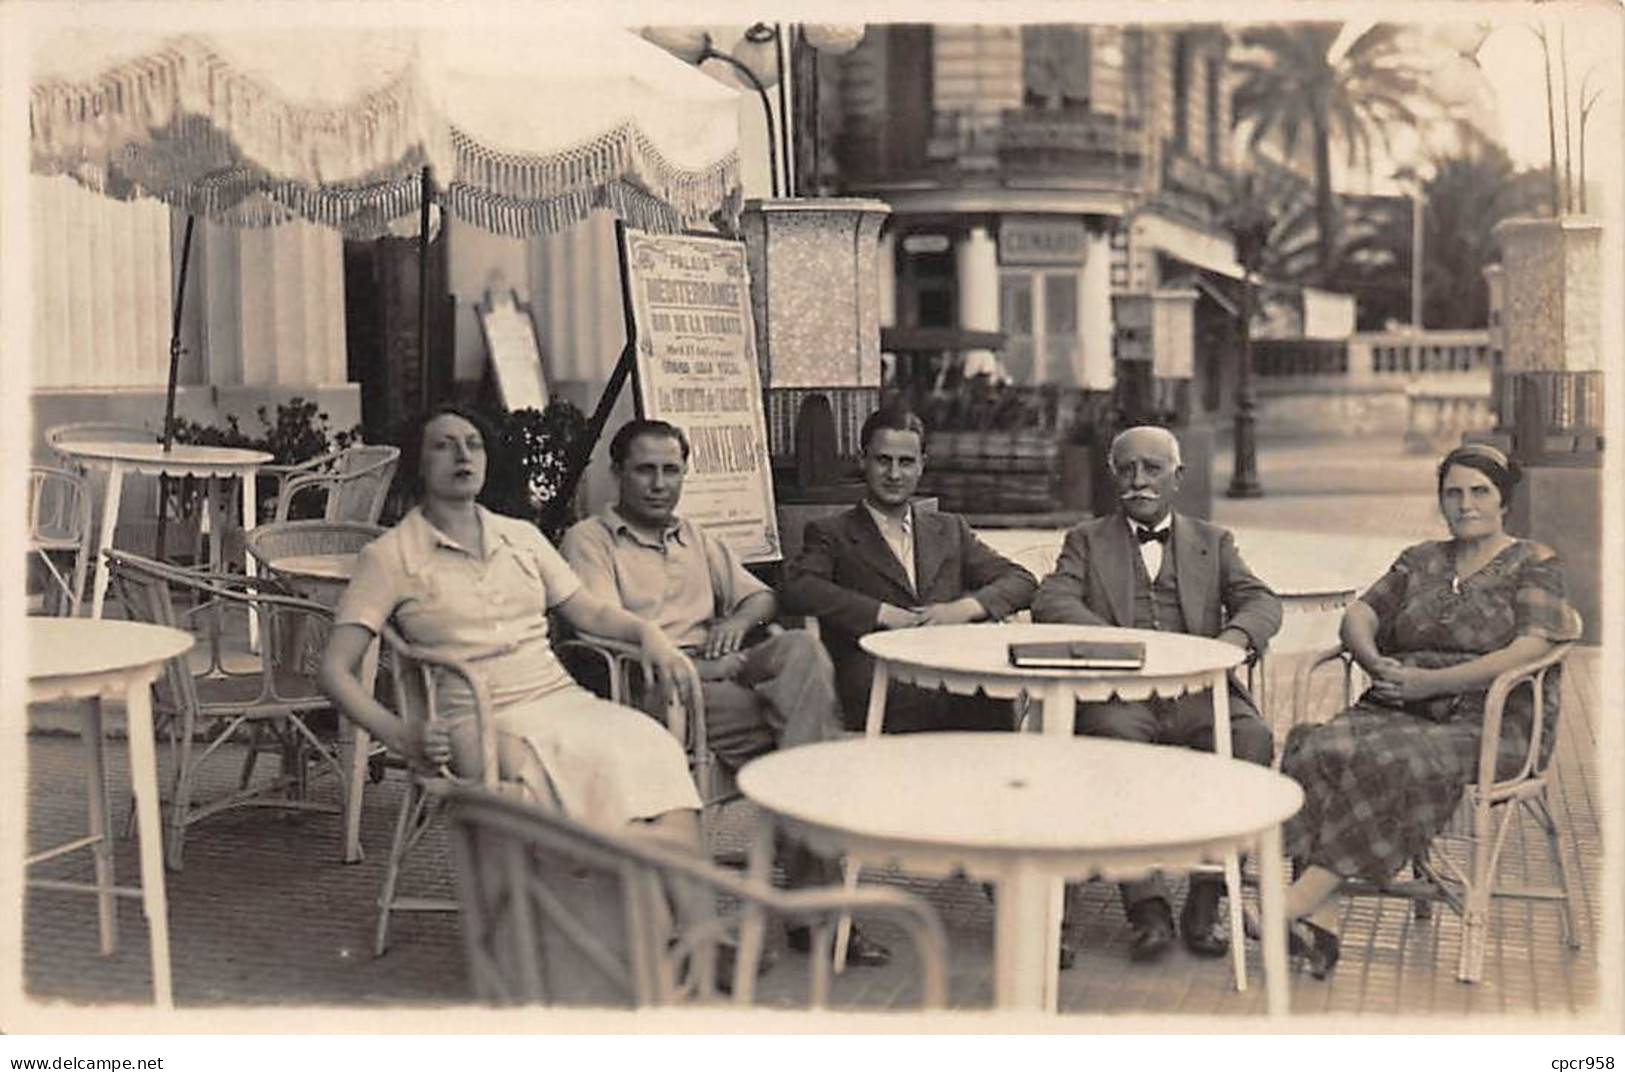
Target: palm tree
1466,196
1292,86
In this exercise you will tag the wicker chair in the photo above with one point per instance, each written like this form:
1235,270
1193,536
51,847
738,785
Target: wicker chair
1488,809
622,666
269,698
280,541
413,675
555,913
59,525
355,481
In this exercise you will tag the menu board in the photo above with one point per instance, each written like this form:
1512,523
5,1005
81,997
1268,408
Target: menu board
696,367
510,338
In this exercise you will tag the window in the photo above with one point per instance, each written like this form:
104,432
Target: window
1038,313
1134,56
926,290
1215,129
1055,66
1182,94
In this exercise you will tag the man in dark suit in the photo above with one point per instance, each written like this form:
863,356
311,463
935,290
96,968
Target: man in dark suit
885,565
1149,568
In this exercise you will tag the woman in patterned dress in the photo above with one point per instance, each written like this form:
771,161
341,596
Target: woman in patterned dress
1382,778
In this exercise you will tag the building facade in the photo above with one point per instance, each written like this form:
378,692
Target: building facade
1060,184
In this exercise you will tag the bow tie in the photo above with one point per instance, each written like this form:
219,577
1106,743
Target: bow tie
1145,535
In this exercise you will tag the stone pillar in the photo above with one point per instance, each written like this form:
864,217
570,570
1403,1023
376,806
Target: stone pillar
886,278
815,292
976,264
1095,311
815,299
1552,317
1551,382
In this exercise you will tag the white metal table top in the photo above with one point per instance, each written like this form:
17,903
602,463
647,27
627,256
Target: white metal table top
181,458
1020,793
983,650
64,650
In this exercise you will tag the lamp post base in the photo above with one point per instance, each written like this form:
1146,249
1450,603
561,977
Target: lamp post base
1244,468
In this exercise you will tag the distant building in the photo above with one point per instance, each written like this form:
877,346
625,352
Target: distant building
1040,174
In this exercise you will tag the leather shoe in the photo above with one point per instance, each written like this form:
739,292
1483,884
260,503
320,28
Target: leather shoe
1151,928
861,950
1199,921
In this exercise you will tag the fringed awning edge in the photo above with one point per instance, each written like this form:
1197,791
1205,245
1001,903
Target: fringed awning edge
75,123
621,156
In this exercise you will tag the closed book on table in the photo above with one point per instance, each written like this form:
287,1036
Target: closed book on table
1078,655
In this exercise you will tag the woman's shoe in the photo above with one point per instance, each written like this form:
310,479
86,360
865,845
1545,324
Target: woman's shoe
1319,947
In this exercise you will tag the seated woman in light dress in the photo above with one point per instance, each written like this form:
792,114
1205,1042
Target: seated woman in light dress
1381,779
456,578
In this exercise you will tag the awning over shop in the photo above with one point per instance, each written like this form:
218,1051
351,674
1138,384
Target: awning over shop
1211,250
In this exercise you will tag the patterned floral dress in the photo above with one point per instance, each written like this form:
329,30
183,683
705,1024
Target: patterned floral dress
1380,782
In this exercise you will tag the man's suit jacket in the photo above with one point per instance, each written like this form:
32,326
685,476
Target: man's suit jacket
846,570
1093,581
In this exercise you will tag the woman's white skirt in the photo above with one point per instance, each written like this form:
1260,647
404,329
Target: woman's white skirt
605,765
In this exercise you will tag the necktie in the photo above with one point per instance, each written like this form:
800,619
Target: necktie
1145,535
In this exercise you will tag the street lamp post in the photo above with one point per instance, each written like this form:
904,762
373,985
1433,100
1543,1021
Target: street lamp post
1418,269
1251,228
759,57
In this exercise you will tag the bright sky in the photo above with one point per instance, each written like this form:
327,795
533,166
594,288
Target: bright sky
1507,90
1511,59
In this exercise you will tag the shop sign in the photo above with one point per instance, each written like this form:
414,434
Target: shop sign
1041,240
696,367
925,243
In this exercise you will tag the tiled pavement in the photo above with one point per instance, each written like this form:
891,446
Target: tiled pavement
264,913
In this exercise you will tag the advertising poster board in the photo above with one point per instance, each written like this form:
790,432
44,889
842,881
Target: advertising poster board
516,360
696,367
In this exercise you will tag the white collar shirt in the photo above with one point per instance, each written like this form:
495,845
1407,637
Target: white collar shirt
899,536
1151,551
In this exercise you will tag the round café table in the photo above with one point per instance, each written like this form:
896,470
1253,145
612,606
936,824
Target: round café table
1028,813
91,660
323,578
968,659
975,658
150,459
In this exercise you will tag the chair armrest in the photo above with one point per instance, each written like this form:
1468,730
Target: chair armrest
687,725
296,484
1302,683
917,918
281,474
408,657
1534,672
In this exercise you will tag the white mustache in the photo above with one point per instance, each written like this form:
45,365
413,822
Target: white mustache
1150,496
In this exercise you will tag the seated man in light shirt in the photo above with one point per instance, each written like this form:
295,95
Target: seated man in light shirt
776,692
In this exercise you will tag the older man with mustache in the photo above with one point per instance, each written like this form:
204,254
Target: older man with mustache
1149,568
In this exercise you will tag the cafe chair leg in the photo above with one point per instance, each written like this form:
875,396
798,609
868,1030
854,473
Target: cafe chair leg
1569,905
412,805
